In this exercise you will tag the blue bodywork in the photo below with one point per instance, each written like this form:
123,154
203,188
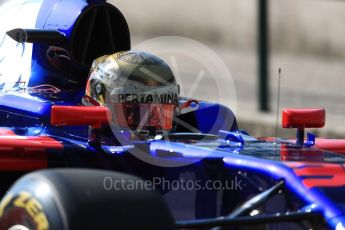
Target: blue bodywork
225,155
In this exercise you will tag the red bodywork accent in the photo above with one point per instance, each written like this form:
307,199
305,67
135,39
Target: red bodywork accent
289,153
19,153
323,175
303,118
332,145
267,139
94,116
6,132
42,142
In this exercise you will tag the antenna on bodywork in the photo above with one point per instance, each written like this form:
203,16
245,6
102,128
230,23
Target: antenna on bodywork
51,37
278,105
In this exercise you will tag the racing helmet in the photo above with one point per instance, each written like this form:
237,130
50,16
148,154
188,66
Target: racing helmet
139,89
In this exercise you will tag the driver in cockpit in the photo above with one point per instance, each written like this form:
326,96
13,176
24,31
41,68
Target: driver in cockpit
139,89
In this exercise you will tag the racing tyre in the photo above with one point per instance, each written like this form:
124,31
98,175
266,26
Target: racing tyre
82,199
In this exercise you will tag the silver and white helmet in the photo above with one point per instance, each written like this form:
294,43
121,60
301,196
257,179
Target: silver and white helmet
138,87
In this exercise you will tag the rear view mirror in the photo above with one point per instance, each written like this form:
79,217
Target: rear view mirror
94,116
301,119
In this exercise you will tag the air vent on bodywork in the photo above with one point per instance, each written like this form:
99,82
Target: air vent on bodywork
99,30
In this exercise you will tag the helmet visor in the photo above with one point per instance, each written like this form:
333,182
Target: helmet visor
137,116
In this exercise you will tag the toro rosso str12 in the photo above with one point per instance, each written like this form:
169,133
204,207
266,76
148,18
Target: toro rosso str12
203,173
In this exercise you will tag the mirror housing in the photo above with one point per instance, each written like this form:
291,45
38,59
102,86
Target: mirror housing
301,119
93,116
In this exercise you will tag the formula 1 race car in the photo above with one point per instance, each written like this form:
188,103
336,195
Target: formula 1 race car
64,166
